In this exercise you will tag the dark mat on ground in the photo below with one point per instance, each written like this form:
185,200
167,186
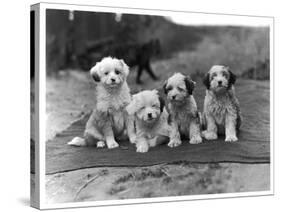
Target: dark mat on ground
253,145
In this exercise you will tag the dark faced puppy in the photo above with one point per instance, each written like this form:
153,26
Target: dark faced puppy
182,106
178,87
221,107
219,79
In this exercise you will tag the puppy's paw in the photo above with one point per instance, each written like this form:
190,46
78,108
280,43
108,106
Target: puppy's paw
143,147
209,135
100,144
231,138
174,143
77,141
133,139
112,144
196,139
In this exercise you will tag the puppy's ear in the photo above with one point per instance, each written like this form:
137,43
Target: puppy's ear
125,67
165,87
94,72
232,78
206,80
162,103
189,84
132,107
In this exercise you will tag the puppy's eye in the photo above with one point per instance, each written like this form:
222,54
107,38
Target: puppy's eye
224,74
214,75
106,73
155,105
180,89
142,108
169,88
117,72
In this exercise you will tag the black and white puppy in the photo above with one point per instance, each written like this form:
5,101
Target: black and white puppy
182,106
221,107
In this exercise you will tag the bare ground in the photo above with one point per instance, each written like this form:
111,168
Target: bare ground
155,181
72,94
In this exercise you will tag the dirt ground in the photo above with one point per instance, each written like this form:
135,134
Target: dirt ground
71,95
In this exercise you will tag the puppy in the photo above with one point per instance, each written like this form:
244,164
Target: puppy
109,118
182,106
221,107
151,120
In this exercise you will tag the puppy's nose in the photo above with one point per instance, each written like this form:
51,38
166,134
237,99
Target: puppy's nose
220,82
112,80
149,115
174,97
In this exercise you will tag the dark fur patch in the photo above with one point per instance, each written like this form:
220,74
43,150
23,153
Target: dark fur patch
231,80
165,87
169,119
96,77
206,80
162,103
189,85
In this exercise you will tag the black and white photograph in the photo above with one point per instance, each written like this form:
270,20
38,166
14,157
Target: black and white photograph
141,105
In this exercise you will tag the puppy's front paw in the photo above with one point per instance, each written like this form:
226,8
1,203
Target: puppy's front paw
231,138
112,144
77,141
196,139
133,139
209,135
143,147
100,144
174,143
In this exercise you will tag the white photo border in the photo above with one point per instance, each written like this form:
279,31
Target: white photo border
216,19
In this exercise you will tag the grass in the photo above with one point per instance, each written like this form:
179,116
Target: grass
239,51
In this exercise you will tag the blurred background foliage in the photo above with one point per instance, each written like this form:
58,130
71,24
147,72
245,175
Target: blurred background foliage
70,35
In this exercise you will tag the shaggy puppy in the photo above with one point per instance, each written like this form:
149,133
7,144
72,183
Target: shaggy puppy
109,118
221,107
151,120
182,106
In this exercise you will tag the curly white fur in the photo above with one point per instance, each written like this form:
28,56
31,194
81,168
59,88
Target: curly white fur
182,106
221,106
151,120
109,118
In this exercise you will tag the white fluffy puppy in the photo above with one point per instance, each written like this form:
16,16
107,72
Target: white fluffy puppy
182,106
109,118
151,120
221,107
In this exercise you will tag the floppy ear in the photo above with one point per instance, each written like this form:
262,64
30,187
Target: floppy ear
206,80
132,107
165,87
189,84
94,72
162,103
125,67
232,78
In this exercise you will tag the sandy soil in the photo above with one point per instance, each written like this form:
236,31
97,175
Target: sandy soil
155,181
72,94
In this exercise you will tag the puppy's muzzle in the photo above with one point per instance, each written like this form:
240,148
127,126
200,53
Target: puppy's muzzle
150,118
113,82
